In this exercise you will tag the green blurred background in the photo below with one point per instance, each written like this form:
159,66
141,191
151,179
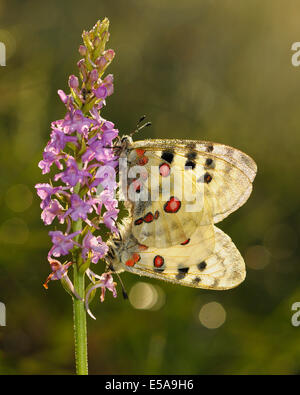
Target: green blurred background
212,70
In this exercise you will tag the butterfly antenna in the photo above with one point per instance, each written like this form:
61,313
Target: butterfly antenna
124,293
139,126
110,269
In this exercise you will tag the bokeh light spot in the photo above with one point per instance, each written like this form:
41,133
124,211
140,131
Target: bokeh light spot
144,296
212,315
18,198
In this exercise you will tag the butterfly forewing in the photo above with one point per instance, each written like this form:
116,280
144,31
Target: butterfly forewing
224,175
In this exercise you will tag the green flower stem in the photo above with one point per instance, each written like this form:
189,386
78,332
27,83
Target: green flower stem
79,313
80,328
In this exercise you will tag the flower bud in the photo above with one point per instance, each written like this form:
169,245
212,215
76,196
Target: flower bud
109,55
94,76
97,42
100,92
82,68
82,50
73,82
101,62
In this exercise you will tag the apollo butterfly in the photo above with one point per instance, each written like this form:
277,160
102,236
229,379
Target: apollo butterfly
176,190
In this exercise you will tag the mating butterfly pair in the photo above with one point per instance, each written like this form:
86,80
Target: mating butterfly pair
171,235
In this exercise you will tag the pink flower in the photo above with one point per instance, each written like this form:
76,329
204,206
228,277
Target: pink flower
110,220
50,156
100,92
111,215
58,270
54,209
108,133
79,208
62,244
59,139
45,191
108,82
95,246
72,175
97,151
75,121
106,176
105,282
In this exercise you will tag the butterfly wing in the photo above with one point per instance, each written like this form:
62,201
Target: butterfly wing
211,261
226,174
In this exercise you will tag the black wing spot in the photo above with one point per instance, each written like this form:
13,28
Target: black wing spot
190,164
209,162
168,156
210,148
202,265
207,178
159,269
191,155
182,271
196,280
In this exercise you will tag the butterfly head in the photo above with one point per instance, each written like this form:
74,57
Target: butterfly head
122,144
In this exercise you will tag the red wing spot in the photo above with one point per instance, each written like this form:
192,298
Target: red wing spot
140,152
138,221
148,217
156,214
143,160
173,205
136,257
142,247
185,242
130,262
136,186
164,170
158,261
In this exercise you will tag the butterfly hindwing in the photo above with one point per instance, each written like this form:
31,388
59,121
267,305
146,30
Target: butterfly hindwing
205,261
